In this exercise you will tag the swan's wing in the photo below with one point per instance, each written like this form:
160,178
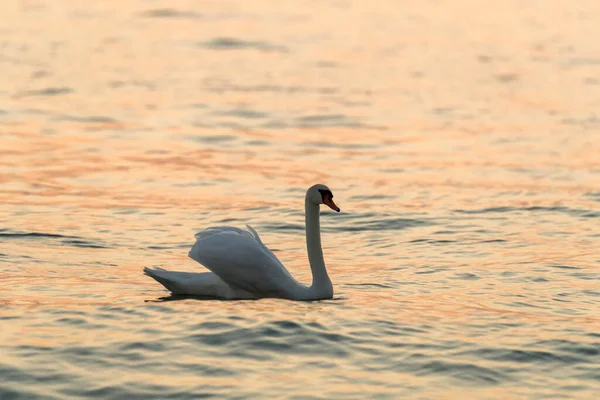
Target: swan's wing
240,259
266,249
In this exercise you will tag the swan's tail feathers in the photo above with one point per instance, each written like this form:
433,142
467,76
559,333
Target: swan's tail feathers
162,277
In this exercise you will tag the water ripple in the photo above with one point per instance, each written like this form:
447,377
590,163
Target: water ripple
231,43
66,240
169,13
564,210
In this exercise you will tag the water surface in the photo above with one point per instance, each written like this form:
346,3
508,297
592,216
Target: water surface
460,140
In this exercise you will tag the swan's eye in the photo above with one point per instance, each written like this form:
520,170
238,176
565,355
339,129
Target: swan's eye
326,195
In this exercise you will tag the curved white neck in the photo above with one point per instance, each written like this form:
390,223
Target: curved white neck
321,284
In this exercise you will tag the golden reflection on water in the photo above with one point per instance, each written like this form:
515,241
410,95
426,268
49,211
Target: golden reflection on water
127,131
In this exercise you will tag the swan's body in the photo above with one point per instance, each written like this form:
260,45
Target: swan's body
242,267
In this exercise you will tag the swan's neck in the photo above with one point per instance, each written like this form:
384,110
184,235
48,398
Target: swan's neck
321,284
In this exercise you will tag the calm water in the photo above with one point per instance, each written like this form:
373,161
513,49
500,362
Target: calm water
460,138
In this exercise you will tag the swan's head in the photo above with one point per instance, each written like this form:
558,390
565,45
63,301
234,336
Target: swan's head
321,194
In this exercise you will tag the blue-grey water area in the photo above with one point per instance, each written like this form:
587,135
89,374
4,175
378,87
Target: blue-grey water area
460,138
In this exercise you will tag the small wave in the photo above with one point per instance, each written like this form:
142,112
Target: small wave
377,285
524,356
169,13
231,43
10,234
571,347
466,277
168,247
326,120
595,196
564,210
433,241
51,91
591,122
155,346
586,276
224,86
66,240
83,244
463,371
372,197
267,340
367,224
23,379
385,224
211,138
349,146
564,267
115,312
19,383
430,270
242,113
92,119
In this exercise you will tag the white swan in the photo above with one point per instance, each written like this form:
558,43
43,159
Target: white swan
244,268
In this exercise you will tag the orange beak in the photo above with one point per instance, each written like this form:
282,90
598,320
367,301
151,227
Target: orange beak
329,202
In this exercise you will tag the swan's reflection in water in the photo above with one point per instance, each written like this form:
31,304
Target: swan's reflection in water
180,297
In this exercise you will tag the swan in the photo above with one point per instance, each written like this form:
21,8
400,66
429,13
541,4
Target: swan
242,267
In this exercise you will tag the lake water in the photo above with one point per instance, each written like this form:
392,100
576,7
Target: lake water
460,138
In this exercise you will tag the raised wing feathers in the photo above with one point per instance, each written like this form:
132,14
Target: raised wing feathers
240,259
